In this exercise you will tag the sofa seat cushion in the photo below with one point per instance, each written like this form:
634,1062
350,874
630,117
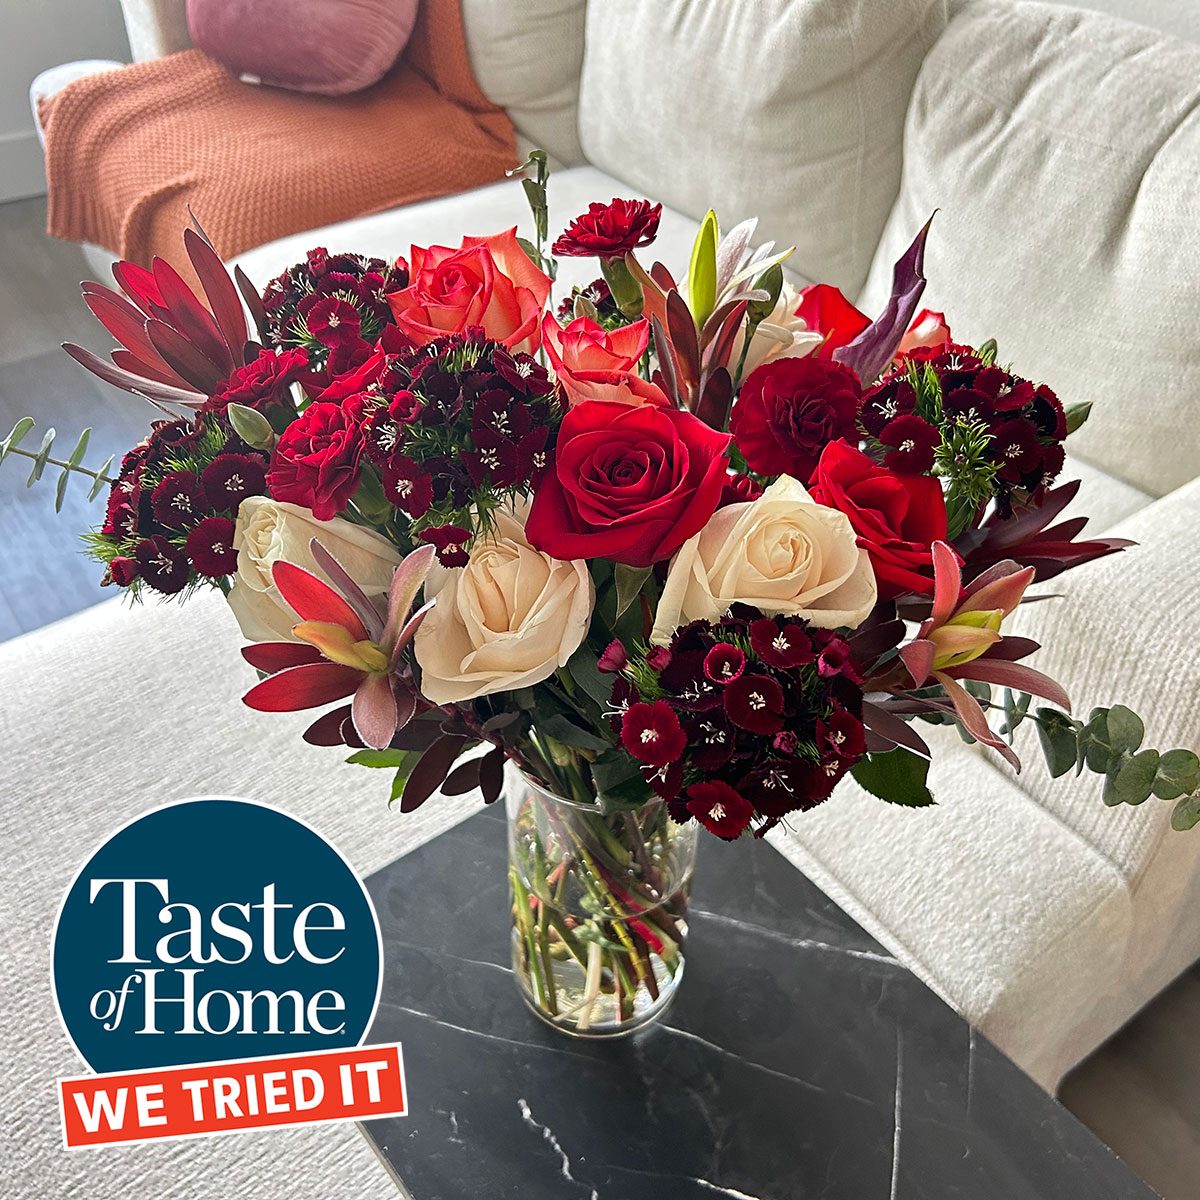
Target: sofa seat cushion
1103,499
479,212
121,711
1060,149
1004,911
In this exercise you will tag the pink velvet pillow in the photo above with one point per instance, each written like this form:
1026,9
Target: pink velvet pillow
327,46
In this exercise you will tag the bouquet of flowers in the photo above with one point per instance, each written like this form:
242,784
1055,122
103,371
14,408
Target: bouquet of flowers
682,551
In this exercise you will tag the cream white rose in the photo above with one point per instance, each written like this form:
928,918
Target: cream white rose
268,532
508,619
782,334
782,553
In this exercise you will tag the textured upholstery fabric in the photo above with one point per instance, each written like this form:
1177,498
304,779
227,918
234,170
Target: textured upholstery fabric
482,211
1102,498
121,710
1061,148
788,110
527,59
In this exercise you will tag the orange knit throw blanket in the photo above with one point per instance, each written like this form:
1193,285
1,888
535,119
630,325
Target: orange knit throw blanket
129,150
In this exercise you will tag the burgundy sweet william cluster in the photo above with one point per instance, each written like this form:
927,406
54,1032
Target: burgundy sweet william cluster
741,721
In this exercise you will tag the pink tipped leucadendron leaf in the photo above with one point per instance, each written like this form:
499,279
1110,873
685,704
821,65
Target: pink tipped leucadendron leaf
1013,675
314,600
947,584
306,686
374,711
354,595
973,720
871,351
1004,591
409,631
406,583
278,656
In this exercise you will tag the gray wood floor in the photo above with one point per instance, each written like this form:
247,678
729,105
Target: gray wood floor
1140,1093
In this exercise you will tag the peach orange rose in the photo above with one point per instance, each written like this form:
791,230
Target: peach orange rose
489,282
593,364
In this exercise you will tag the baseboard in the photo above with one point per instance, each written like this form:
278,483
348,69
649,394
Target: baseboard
21,170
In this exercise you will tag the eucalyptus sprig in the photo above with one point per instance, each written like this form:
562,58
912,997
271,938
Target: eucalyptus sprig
42,458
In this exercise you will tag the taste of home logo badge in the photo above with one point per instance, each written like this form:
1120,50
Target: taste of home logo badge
217,963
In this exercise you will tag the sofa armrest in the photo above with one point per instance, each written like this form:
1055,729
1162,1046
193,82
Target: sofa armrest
156,27
52,81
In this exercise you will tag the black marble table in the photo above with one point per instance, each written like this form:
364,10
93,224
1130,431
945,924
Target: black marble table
800,1060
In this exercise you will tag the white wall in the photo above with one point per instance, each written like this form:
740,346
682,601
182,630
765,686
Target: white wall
34,35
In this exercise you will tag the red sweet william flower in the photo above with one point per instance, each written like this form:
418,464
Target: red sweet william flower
720,808
755,703
316,460
122,571
210,547
911,443
609,230
631,484
897,517
652,733
789,410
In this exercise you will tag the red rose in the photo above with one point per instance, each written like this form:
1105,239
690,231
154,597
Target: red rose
489,282
630,483
609,230
789,410
824,309
262,383
315,463
897,517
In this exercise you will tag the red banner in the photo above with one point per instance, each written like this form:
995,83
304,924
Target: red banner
361,1083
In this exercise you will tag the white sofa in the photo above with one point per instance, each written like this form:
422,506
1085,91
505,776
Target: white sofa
1061,149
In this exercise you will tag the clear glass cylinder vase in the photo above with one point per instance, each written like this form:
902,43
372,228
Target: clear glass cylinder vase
599,908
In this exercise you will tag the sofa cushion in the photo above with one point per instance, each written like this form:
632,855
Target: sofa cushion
527,58
788,110
1060,148
481,211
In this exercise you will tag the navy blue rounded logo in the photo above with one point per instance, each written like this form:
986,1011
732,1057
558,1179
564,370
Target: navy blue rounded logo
214,929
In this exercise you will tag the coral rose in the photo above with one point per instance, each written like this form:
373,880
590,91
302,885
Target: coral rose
591,363
508,619
489,282
897,517
629,483
782,553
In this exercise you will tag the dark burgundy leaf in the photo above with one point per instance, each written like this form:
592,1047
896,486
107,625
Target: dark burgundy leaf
430,772
491,775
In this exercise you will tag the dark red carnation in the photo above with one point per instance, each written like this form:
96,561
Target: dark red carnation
897,517
161,565
628,483
740,489
755,702
789,410
261,384
231,478
210,547
609,230
316,460
911,443
178,501
720,808
652,733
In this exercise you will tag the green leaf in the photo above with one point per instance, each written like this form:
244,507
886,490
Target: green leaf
629,582
1133,780
99,483
620,786
581,666
403,771
379,758
1098,752
562,729
18,431
1178,774
1058,736
251,426
988,351
1125,729
1077,414
702,273
1016,709
897,777
1186,813
39,461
